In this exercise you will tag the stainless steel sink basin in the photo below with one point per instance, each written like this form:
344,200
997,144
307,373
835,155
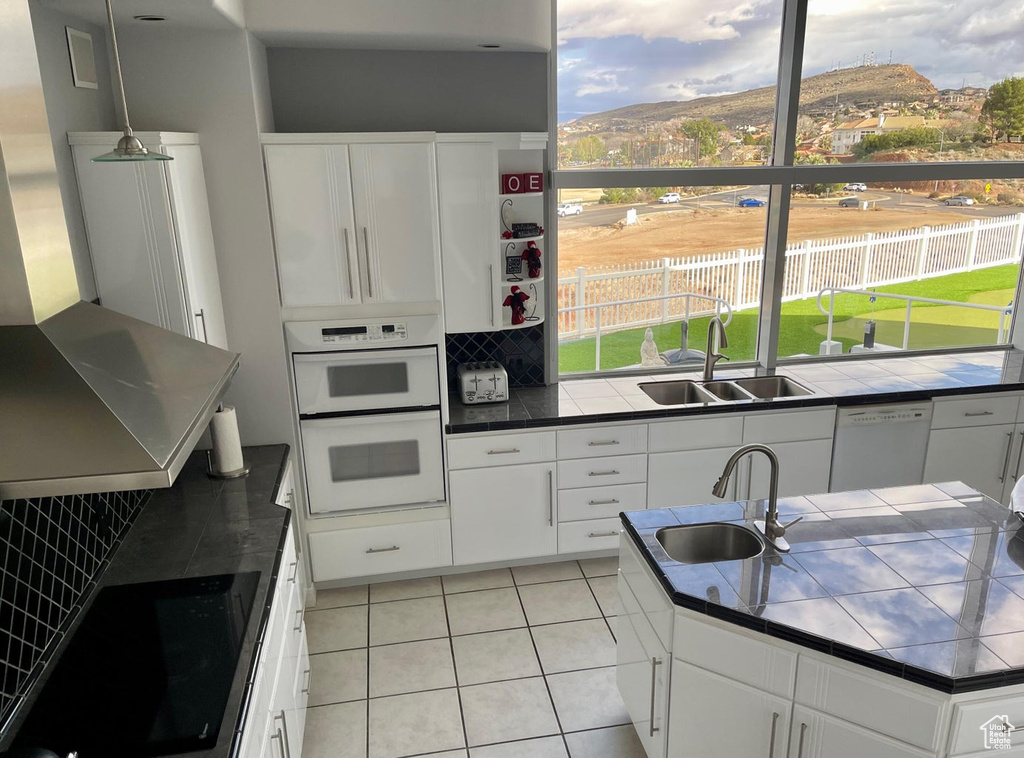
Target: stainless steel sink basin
677,393
768,387
707,543
726,391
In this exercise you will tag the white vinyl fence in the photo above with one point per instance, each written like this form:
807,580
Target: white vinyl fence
859,261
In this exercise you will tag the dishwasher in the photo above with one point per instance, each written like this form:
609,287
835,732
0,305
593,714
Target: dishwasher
880,445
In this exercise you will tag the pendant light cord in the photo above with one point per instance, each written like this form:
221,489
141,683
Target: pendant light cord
117,69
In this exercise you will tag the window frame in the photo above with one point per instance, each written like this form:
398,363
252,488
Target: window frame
779,175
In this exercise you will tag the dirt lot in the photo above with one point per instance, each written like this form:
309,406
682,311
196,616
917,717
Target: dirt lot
688,233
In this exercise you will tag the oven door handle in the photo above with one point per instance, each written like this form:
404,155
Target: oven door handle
362,354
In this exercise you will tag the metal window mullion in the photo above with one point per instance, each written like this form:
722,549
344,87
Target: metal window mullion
551,240
787,103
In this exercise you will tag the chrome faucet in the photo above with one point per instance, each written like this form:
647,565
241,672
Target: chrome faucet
771,528
711,357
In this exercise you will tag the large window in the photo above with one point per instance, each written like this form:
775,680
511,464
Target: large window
862,242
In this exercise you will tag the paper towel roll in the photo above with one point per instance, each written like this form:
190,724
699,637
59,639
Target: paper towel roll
227,446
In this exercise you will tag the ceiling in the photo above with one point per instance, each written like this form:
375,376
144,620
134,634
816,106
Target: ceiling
519,25
198,14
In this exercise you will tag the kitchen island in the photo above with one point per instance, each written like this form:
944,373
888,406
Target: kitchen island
894,627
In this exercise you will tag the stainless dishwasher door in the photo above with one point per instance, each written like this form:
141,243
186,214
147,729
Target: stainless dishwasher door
880,445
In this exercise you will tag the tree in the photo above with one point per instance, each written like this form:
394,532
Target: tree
1004,107
589,149
705,133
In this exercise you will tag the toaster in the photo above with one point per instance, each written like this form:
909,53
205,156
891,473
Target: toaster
485,382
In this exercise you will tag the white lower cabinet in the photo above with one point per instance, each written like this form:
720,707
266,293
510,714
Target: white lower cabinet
978,456
715,716
504,513
816,735
686,477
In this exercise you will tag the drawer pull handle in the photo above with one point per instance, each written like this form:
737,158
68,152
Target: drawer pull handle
613,472
614,501
503,452
602,443
309,680
295,572
970,414
391,549
298,626
604,534
654,683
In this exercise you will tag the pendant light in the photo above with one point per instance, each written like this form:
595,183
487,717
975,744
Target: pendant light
129,147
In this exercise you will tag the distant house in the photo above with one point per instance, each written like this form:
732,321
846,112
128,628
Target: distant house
849,134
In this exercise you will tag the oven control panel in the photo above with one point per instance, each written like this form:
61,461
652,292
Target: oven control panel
364,334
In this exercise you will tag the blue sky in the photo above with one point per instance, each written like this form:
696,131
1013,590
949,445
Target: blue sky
621,52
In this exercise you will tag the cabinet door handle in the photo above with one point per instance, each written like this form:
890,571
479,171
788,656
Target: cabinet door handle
971,414
348,266
1006,461
654,685
1020,453
551,498
391,549
309,680
287,750
298,625
613,501
604,534
613,472
602,443
504,452
800,745
369,273
202,317
490,284
280,738
771,739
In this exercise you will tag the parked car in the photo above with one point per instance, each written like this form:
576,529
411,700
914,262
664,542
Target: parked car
750,202
569,209
960,200
855,187
849,202
670,197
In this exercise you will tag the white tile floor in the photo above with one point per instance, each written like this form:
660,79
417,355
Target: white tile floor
505,663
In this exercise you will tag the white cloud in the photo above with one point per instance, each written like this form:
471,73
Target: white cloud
683,20
599,83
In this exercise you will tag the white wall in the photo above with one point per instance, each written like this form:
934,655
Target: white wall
194,80
72,109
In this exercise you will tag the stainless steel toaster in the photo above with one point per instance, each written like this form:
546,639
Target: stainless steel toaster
485,382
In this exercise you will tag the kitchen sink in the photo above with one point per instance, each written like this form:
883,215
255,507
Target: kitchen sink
677,393
708,543
769,387
726,391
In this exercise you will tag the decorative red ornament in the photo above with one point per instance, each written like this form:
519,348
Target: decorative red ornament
533,182
512,184
516,301
532,257
506,235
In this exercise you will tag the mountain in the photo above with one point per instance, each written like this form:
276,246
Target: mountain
860,86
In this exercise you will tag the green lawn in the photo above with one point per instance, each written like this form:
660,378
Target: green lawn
803,326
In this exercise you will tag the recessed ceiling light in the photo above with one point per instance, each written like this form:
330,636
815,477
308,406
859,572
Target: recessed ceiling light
489,46
150,17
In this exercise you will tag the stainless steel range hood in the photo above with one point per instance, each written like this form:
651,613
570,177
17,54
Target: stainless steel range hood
90,400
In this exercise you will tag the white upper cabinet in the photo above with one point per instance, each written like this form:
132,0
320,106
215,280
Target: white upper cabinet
353,223
150,237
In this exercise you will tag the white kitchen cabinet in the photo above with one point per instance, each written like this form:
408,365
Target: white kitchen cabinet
353,223
686,477
803,469
816,735
978,456
504,513
715,717
149,231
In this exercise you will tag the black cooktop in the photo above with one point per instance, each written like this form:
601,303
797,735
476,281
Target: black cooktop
148,672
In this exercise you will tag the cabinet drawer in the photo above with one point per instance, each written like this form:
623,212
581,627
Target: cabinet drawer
596,534
970,718
695,434
500,450
602,440
982,410
600,502
380,549
792,426
878,702
599,472
736,656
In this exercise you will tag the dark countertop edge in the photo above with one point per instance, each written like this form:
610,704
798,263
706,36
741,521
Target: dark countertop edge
810,401
280,476
264,621
906,671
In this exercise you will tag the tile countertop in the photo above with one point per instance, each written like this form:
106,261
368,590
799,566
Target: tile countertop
203,526
923,582
895,378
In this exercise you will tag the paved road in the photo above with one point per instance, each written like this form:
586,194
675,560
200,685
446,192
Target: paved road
607,215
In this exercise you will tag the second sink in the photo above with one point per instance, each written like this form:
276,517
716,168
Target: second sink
708,543
768,387
682,392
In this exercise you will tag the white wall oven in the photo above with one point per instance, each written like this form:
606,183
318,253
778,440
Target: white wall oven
368,396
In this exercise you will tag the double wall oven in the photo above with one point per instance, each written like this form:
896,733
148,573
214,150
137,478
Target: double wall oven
368,396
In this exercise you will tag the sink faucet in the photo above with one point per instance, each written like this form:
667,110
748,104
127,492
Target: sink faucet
711,357
771,528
